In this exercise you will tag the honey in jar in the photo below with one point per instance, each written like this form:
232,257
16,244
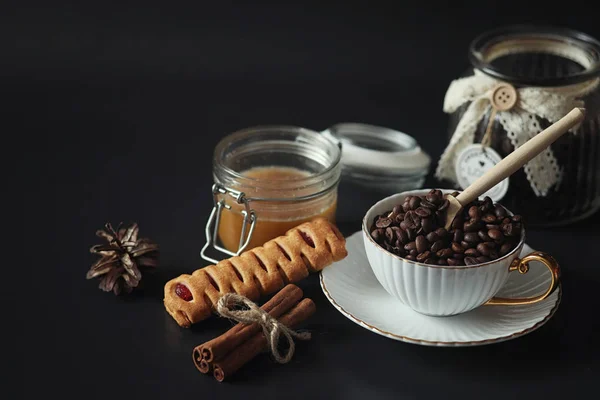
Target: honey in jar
283,176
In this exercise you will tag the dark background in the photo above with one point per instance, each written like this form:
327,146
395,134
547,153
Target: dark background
111,112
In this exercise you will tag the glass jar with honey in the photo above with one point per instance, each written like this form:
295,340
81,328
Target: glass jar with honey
267,180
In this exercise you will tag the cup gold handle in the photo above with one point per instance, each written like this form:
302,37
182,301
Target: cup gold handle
522,265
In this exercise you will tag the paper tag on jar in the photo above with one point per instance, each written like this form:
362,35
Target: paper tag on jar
474,161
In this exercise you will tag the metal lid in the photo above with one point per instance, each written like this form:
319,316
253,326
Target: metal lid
378,151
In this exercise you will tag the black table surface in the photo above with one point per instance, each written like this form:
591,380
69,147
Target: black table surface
117,110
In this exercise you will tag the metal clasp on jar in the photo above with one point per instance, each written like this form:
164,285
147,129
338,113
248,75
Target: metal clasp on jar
212,226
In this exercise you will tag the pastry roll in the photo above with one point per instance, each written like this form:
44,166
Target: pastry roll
307,248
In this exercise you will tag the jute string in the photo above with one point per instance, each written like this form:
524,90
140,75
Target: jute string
272,329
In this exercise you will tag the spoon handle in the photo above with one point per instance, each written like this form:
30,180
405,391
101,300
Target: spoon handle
521,156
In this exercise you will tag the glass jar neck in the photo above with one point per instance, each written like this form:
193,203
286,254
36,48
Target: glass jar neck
536,56
277,163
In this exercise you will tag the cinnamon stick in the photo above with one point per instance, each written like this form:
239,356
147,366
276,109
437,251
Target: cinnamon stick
258,343
218,347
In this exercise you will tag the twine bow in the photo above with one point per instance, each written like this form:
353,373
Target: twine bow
521,122
272,329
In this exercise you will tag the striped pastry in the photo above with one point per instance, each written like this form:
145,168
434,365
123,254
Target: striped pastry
307,248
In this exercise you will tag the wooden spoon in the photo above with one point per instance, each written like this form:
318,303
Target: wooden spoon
512,162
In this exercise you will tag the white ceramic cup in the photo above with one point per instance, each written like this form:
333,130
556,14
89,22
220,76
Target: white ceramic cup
447,290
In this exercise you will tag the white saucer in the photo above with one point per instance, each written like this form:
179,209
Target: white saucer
352,288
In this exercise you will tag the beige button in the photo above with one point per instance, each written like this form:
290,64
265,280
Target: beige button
504,97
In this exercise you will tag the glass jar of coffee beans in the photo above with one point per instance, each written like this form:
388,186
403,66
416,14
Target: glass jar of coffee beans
414,230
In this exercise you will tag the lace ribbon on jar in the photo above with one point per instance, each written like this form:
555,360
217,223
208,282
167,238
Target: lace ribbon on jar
521,122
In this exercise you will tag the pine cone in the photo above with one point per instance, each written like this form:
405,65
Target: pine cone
122,259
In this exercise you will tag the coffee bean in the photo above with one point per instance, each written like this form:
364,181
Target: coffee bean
458,235
494,254
470,261
411,234
433,197
491,245
423,256
457,223
499,211
422,243
444,253
406,206
483,236
489,218
506,221
457,248
467,245
414,202
397,209
428,204
437,246
472,253
427,225
452,261
389,234
410,257
441,232
402,236
474,212
413,252
410,246
399,218
383,222
444,206
491,226
495,234
472,225
505,249
487,205
509,230
376,235
430,260
412,220
432,237
482,259
458,256
403,225
471,237
484,249
516,218
442,261
423,212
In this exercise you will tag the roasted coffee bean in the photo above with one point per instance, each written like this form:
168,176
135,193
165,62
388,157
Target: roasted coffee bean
431,260
441,232
389,234
423,212
433,197
410,257
491,245
432,237
484,249
472,225
422,243
457,223
411,234
467,245
412,220
423,256
444,206
506,221
383,222
474,212
482,259
452,261
491,226
495,234
457,236
489,218
499,211
472,253
437,246
472,237
376,235
403,225
406,207
427,225
402,236
494,254
414,202
458,256
470,261
442,261
483,235
509,230
457,248
428,204
399,218
413,252
487,205
410,246
516,218
505,249
397,209
444,253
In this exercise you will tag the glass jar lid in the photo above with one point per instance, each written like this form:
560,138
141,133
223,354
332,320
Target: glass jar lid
378,152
